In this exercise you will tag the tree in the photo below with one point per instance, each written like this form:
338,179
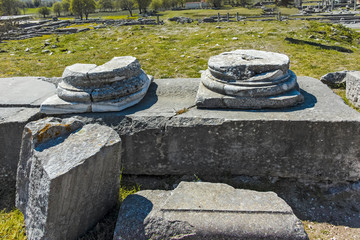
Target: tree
65,4
156,5
89,7
37,3
106,4
143,5
76,7
9,7
57,8
44,11
215,3
127,5
82,7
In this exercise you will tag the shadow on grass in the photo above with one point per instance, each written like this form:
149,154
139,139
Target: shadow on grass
322,46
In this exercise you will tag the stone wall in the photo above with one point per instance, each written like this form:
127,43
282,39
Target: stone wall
314,141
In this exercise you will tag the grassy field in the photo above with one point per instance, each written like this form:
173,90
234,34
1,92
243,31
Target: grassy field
176,50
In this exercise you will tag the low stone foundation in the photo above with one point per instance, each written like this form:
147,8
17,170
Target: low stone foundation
165,134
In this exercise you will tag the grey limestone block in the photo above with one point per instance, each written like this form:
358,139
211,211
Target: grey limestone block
200,210
353,87
68,177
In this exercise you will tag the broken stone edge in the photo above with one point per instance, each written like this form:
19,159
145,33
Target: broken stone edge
55,105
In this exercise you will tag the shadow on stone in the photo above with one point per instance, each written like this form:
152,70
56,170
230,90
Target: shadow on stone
333,203
150,99
132,219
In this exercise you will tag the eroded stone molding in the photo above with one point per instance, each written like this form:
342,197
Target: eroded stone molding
248,79
113,86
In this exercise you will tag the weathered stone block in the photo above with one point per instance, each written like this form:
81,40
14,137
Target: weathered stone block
353,87
68,177
19,97
317,140
206,211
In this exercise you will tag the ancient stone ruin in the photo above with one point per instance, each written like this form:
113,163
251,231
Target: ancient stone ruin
113,86
248,79
68,177
69,168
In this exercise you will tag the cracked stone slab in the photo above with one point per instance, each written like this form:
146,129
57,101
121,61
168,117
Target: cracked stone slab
24,91
243,64
200,210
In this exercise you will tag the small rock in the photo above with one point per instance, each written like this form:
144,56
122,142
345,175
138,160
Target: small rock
27,49
218,27
234,38
334,79
54,46
45,51
182,56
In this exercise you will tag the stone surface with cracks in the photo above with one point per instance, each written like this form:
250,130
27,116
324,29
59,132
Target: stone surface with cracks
200,210
113,86
67,178
248,79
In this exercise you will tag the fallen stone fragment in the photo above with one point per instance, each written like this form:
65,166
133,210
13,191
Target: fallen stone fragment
199,210
353,87
68,177
334,79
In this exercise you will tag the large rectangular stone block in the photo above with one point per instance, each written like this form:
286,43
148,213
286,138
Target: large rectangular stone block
19,99
68,177
206,211
12,122
166,135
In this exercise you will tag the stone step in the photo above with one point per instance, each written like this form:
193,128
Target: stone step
200,210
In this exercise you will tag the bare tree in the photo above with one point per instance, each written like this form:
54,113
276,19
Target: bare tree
127,5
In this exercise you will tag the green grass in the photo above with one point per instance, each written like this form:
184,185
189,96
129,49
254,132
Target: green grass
12,225
176,50
342,93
